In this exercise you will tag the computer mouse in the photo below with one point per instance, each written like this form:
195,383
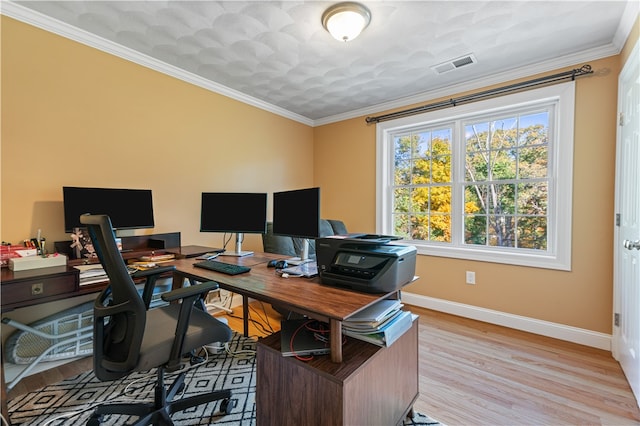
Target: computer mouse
278,264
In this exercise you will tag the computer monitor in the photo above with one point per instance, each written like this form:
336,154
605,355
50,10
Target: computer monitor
297,214
127,208
234,212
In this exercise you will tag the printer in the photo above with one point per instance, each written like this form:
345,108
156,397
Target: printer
365,262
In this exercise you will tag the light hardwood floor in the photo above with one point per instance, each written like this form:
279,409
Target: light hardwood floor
474,373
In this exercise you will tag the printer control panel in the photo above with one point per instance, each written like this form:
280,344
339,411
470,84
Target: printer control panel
358,265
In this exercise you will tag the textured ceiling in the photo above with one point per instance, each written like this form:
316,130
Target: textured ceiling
279,53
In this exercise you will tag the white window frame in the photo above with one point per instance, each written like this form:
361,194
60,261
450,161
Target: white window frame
558,253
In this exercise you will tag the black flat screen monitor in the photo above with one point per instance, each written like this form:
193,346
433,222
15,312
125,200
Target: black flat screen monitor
234,212
127,208
297,214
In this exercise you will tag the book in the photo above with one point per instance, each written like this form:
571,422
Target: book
376,312
91,274
371,326
388,334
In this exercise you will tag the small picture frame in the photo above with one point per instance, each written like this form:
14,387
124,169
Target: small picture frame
81,244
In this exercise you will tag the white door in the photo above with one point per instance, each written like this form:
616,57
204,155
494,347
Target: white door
626,335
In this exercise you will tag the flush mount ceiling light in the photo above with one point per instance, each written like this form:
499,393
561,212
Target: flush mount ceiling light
345,21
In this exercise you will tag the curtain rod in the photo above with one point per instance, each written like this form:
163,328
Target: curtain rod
577,72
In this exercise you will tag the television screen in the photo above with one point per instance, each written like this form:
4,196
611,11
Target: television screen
127,208
239,212
297,213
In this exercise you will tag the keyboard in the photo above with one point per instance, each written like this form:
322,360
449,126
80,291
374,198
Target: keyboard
225,268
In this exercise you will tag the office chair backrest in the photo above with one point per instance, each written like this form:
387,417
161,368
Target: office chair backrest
119,326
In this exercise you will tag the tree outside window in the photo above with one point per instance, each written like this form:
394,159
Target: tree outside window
490,181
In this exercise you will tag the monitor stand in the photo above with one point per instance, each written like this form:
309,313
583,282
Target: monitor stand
238,252
304,256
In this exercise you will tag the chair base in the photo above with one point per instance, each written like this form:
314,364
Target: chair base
159,412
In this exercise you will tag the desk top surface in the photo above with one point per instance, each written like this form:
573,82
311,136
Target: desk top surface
304,295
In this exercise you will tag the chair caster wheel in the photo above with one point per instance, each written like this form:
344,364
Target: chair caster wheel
226,406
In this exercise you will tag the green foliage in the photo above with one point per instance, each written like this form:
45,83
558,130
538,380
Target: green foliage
505,183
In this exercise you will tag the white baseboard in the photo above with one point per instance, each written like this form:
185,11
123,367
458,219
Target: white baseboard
531,325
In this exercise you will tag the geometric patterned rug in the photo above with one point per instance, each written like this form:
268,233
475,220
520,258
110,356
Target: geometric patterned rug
71,401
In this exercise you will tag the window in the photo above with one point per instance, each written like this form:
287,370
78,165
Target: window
487,181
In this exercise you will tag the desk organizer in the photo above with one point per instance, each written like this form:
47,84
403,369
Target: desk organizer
35,262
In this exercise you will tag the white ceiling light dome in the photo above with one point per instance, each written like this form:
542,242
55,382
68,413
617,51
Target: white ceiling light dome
345,21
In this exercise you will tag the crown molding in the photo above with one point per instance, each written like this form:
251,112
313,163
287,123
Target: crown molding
60,28
629,17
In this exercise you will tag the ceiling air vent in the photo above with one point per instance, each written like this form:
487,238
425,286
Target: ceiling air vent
454,64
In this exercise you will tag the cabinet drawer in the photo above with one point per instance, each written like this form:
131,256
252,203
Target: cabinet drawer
37,288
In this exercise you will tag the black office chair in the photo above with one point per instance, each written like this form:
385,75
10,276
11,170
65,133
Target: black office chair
128,336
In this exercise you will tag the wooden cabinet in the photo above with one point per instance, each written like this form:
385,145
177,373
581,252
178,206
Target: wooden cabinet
372,386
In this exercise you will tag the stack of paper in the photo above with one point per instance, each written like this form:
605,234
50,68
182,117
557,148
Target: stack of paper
90,274
380,324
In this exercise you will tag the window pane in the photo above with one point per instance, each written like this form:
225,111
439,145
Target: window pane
501,231
505,133
532,198
441,169
476,167
475,198
422,210
503,165
420,199
532,233
476,136
422,144
421,172
475,230
402,148
402,173
401,201
534,129
440,228
401,225
533,162
420,227
440,199
502,199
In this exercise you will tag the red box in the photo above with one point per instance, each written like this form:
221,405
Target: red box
9,252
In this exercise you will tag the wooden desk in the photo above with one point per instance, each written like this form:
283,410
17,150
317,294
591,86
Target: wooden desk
372,386
306,296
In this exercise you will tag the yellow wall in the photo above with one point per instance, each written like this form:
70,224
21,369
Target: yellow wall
73,115
580,298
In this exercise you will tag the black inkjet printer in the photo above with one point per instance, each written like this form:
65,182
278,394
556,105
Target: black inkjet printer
365,262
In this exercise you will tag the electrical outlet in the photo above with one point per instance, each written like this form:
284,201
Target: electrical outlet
471,277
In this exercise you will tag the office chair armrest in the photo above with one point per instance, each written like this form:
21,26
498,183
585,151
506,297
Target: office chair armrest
192,290
151,276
